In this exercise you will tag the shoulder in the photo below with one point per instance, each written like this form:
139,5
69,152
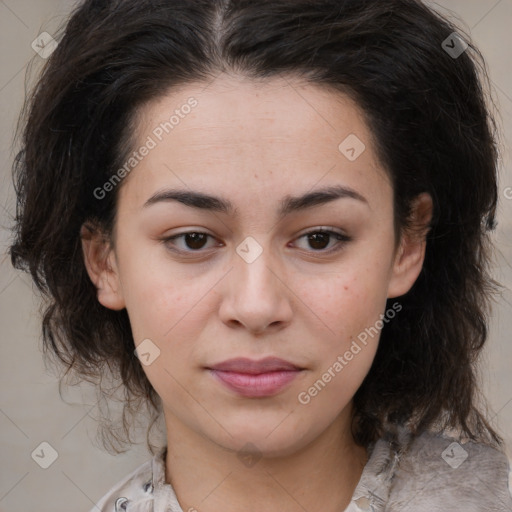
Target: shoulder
437,472
136,487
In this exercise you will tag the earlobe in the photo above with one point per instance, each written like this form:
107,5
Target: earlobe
411,252
99,260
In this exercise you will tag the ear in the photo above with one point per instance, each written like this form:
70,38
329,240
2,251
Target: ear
101,265
411,251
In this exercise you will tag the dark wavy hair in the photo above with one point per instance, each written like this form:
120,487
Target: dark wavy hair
429,114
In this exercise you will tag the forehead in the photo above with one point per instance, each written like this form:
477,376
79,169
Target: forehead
277,134
236,109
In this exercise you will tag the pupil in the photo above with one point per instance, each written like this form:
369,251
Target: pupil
193,238
314,238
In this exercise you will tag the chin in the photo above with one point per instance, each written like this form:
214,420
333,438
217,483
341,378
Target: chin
266,439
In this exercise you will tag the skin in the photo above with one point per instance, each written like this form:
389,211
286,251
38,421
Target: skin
254,144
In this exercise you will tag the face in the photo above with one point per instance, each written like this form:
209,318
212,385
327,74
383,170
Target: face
255,273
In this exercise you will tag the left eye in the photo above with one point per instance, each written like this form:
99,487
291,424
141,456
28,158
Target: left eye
195,240
320,237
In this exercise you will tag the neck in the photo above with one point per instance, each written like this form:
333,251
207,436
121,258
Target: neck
208,478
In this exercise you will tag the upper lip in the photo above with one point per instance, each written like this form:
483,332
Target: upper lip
245,365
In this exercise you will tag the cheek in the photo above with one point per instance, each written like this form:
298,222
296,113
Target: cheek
345,302
155,289
148,298
351,308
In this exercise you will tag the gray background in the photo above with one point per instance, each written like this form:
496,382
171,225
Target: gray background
31,409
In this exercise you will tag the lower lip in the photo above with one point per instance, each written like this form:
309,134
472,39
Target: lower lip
263,384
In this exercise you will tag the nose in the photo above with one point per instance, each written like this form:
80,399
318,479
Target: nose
256,295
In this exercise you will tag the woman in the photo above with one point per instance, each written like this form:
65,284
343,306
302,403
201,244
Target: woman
270,221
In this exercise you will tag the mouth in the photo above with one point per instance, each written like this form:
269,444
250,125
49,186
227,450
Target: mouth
253,379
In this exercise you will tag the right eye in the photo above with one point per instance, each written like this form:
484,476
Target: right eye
193,240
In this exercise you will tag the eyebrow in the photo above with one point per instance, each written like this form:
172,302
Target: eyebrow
288,205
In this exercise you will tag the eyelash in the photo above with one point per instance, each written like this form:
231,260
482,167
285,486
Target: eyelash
342,240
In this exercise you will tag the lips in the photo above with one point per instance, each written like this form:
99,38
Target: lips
255,379
250,366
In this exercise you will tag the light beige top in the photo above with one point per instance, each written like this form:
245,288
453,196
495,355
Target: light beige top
433,473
